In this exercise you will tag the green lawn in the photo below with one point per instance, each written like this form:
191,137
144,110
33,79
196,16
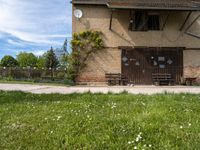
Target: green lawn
86,121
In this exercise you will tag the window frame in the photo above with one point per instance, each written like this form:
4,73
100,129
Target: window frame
157,15
145,22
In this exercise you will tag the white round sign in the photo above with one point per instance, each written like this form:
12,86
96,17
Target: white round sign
78,13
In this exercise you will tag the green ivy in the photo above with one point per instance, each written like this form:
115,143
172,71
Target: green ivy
83,45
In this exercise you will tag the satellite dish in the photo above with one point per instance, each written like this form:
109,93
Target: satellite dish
78,13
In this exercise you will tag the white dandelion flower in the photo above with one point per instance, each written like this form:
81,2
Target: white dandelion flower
137,139
59,117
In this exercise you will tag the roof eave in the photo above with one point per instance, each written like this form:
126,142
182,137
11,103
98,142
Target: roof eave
154,8
87,3
109,5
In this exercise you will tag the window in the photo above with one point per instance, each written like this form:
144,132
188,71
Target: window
142,21
153,22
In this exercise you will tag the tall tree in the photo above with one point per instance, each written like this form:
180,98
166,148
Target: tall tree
9,61
51,60
64,56
27,59
65,47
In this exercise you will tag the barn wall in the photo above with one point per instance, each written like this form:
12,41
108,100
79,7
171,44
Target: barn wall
192,64
98,18
107,60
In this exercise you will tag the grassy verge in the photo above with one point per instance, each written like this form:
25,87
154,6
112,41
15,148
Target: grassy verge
86,121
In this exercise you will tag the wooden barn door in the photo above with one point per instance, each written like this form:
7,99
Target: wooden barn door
136,67
139,64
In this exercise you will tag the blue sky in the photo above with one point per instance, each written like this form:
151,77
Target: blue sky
33,25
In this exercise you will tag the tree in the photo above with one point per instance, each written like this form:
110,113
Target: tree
27,59
51,60
8,61
64,56
63,61
65,47
41,62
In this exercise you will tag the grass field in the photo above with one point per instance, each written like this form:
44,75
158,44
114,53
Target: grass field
86,121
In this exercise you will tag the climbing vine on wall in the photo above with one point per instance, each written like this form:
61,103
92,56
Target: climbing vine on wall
83,45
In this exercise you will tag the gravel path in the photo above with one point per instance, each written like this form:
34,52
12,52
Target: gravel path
46,89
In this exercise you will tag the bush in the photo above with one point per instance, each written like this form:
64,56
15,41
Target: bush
61,75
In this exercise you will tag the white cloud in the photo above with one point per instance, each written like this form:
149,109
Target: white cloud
37,38
15,43
38,53
40,22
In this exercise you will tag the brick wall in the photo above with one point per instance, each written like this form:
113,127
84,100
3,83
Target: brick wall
107,60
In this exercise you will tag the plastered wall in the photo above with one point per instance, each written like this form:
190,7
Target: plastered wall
109,59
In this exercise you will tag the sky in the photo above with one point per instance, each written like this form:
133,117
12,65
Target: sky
33,25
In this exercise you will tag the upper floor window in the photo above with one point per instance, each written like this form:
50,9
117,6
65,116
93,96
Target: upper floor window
143,21
153,22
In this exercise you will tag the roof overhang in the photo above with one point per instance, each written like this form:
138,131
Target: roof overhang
153,6
89,2
176,5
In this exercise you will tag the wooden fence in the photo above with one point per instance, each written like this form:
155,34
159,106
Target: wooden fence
32,74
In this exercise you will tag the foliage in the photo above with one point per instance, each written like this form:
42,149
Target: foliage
51,59
60,75
98,121
41,62
20,75
8,61
83,45
63,61
27,59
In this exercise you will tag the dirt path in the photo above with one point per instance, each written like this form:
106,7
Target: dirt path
46,89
